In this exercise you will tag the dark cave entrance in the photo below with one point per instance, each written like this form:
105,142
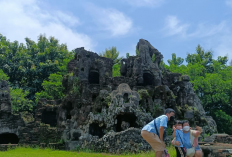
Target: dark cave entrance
96,130
126,98
69,108
94,97
125,121
49,117
148,78
7,138
94,77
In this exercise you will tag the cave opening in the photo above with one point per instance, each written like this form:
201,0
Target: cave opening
6,138
126,98
96,130
148,78
125,121
49,117
69,108
94,97
94,77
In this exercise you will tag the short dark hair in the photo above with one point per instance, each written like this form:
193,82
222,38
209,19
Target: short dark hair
178,122
185,121
169,110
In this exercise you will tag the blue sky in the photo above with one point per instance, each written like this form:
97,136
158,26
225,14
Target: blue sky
170,26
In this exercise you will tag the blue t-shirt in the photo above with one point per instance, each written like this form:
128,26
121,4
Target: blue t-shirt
187,143
179,137
160,121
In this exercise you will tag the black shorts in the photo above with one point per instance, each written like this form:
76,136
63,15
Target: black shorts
180,152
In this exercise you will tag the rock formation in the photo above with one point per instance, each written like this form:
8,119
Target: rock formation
102,112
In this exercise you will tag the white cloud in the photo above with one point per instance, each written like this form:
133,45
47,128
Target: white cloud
115,22
229,3
174,27
110,20
146,3
25,18
217,37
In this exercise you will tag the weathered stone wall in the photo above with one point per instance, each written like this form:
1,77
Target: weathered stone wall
9,124
141,93
102,112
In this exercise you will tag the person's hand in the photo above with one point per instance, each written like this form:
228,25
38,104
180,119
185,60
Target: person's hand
199,129
173,141
177,143
174,128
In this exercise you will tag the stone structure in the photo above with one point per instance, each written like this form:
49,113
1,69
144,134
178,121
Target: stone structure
9,124
217,145
102,112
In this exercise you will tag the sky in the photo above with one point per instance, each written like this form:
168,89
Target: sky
170,26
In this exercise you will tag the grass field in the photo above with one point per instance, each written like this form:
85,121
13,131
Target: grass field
36,152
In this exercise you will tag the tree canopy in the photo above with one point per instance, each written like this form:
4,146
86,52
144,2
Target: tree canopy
113,54
27,66
211,79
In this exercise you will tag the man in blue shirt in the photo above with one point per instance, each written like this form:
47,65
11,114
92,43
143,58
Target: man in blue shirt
150,134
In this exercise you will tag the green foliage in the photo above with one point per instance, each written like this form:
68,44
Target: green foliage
169,131
19,102
143,94
3,76
75,86
153,58
223,118
29,65
127,55
116,70
48,152
112,53
211,79
53,88
175,60
137,52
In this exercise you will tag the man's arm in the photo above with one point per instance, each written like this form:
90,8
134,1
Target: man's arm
161,132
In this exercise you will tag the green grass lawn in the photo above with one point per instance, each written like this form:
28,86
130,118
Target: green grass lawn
36,152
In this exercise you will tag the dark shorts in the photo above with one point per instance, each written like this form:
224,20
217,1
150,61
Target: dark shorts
180,152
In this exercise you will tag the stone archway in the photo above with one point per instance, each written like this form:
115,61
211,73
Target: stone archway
125,121
6,138
93,77
96,130
49,117
148,78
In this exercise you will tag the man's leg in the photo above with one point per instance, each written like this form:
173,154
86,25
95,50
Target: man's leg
158,153
154,142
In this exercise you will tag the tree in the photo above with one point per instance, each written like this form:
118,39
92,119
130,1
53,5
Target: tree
116,70
112,53
3,76
175,60
127,55
211,79
230,63
29,65
53,88
19,101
